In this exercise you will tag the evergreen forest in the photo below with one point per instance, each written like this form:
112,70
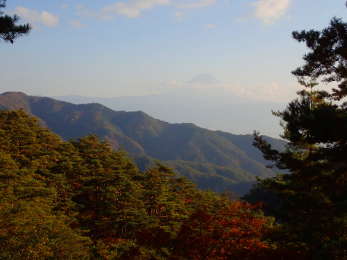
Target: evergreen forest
80,198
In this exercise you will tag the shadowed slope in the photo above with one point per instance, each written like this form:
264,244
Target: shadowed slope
207,157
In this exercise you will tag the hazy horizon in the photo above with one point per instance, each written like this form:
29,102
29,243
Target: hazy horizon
238,49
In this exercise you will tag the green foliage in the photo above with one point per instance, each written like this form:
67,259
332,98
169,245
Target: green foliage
312,199
9,30
213,160
82,200
30,225
108,195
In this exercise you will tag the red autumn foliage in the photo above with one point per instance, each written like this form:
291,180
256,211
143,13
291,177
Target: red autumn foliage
233,232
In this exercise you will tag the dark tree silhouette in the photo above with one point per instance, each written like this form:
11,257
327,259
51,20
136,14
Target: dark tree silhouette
9,30
313,208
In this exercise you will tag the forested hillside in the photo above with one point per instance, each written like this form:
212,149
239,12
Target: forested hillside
214,160
93,189
82,200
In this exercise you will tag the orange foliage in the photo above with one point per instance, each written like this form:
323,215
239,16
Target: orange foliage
233,232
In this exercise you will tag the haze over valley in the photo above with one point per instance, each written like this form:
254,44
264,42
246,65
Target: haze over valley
173,129
203,101
214,160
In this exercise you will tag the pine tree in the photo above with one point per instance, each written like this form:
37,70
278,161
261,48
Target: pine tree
82,200
32,224
313,197
9,30
108,197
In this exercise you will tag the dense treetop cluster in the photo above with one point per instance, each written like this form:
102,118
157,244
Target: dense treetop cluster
80,199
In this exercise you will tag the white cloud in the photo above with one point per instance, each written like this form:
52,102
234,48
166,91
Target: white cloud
134,8
196,4
273,91
131,9
193,4
37,17
270,10
76,24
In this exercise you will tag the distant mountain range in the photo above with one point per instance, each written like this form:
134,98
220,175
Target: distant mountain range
208,106
214,160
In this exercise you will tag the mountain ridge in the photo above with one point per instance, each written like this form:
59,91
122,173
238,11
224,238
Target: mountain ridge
203,155
206,107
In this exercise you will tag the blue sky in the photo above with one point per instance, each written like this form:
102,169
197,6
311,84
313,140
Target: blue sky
111,48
